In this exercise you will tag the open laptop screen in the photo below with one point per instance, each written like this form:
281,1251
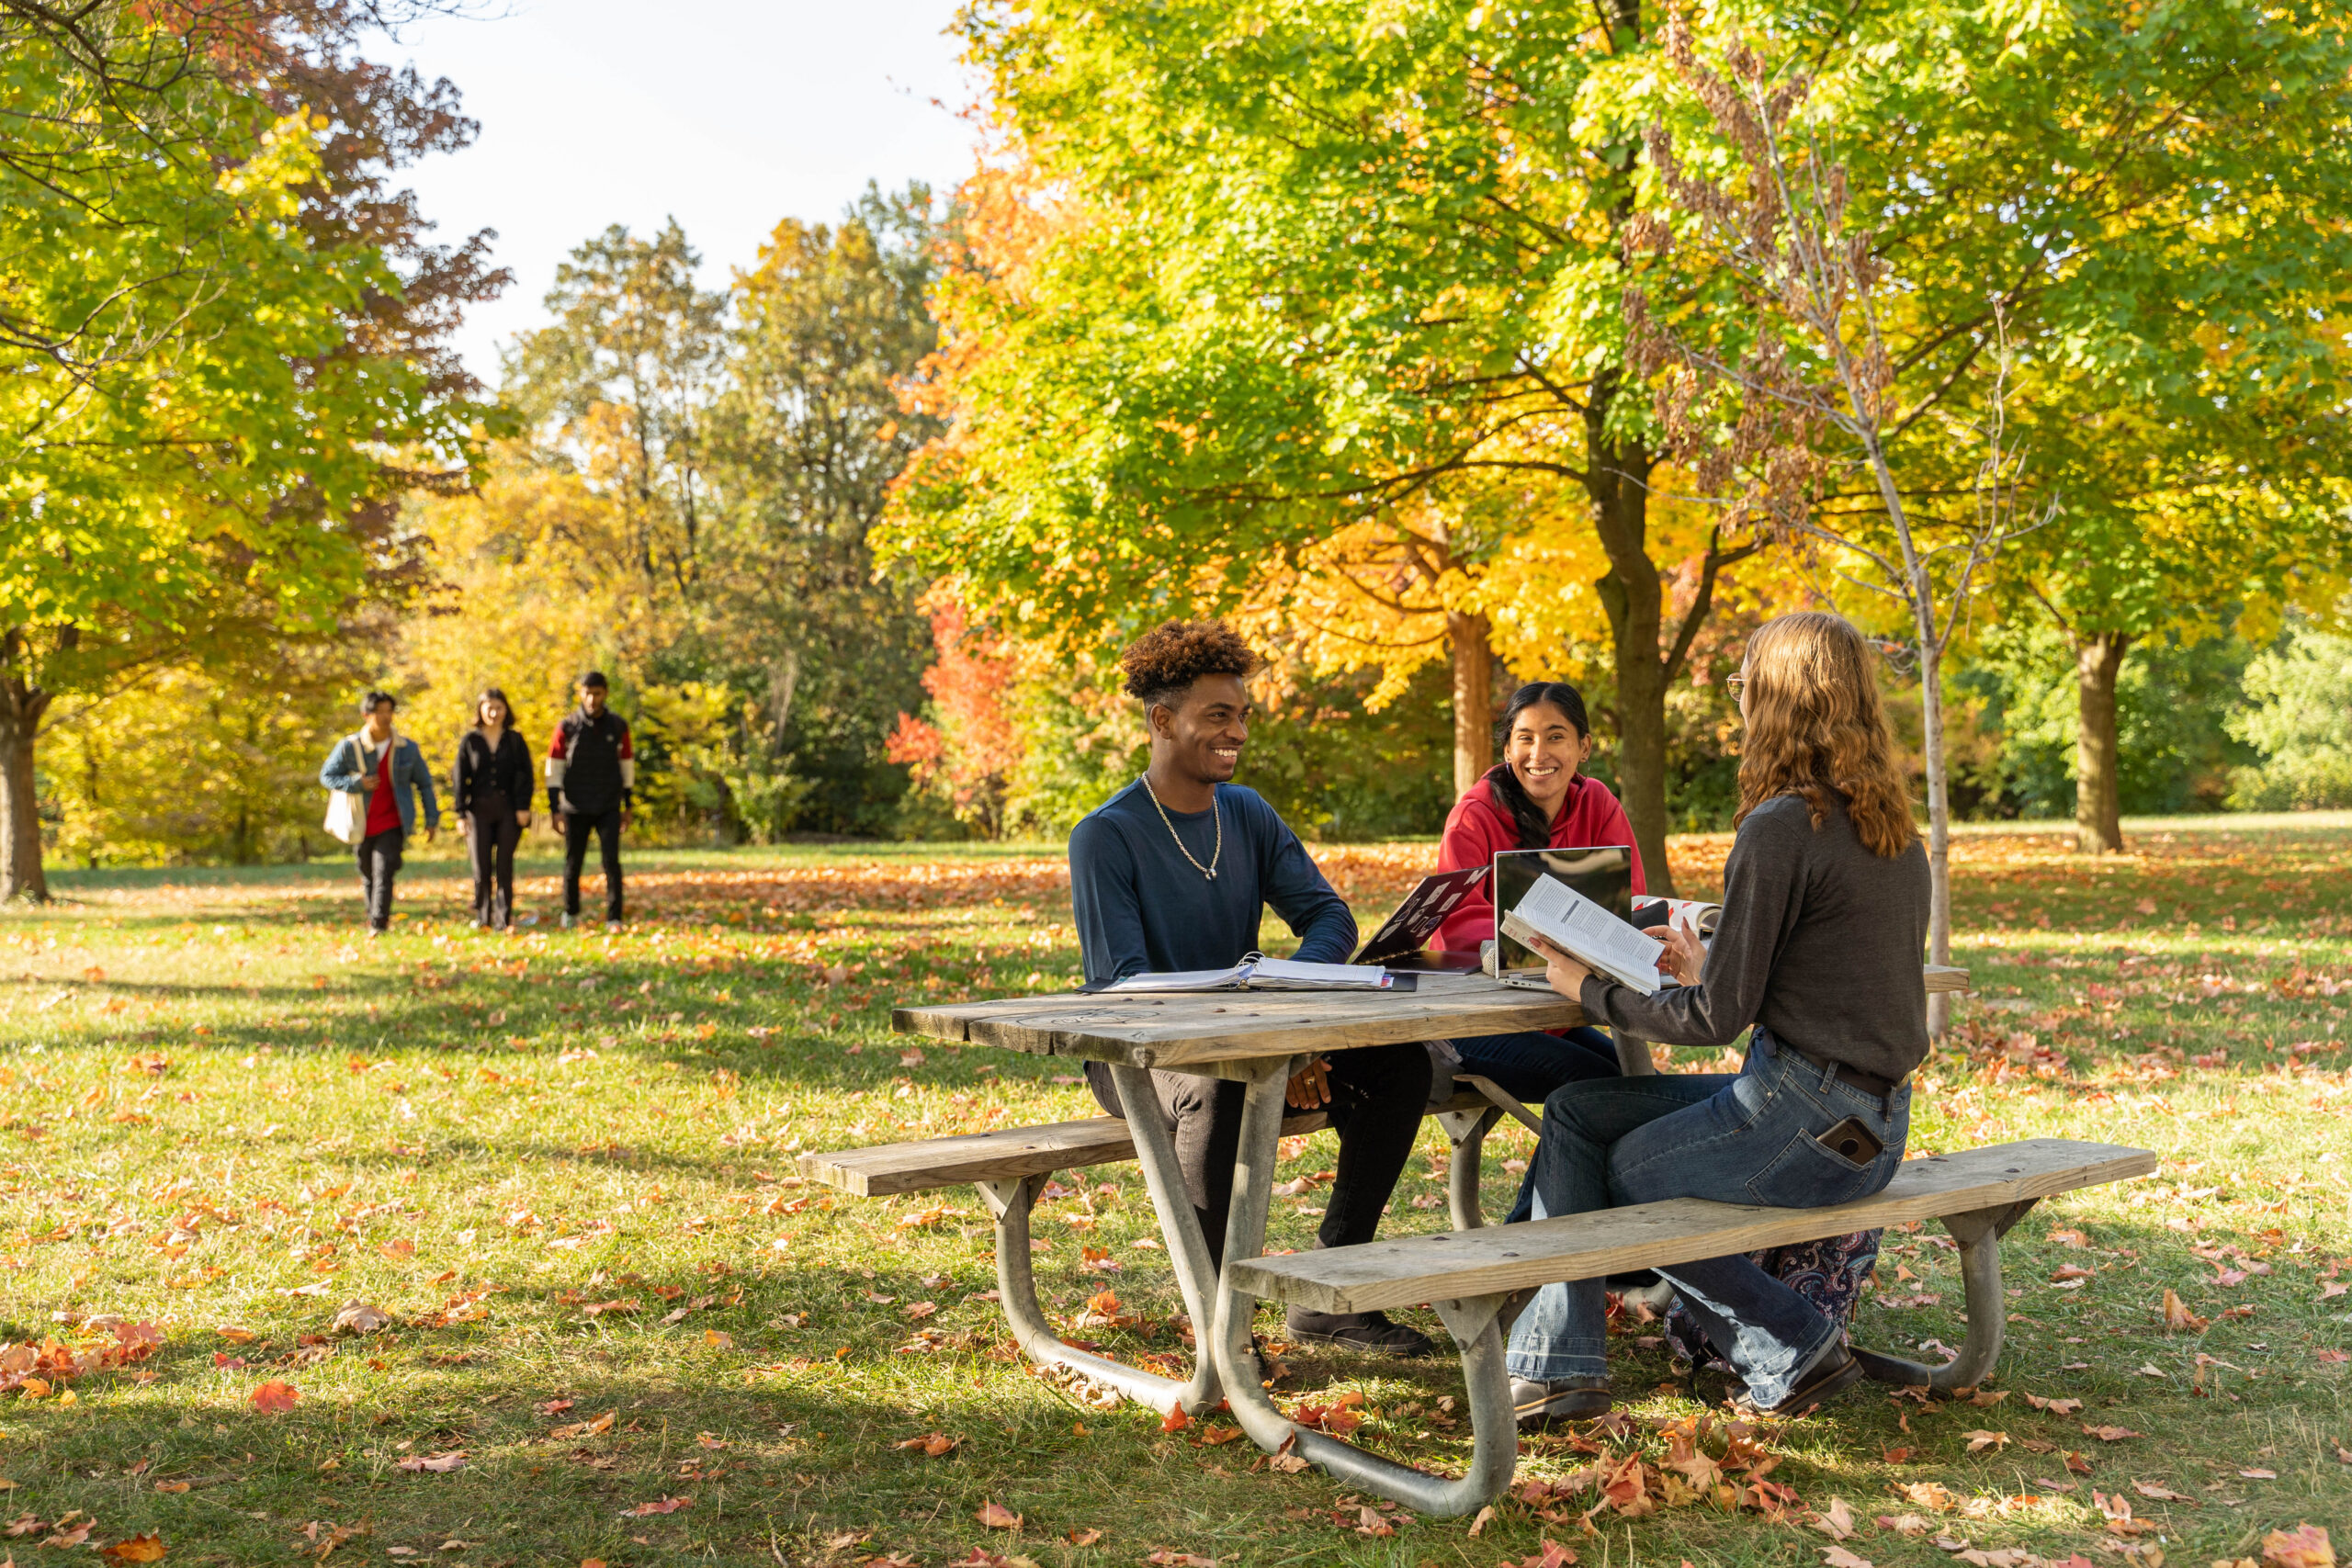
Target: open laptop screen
1603,874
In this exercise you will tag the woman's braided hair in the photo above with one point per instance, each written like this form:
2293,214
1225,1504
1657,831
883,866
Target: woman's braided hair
1162,664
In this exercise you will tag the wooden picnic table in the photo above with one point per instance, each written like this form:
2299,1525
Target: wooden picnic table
1260,1039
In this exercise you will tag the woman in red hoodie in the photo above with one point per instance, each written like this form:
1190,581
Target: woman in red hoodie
1537,797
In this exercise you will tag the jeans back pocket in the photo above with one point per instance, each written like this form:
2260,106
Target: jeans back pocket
1808,1174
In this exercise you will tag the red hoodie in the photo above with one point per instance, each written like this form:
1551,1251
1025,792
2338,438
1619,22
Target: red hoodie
1481,824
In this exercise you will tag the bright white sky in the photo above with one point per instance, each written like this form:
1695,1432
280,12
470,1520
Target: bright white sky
729,115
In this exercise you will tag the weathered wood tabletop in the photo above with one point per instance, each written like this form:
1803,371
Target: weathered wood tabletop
1169,1029
1172,1029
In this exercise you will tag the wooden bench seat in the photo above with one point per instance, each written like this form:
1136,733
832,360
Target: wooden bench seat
1476,1280
1009,1165
1407,1270
882,1170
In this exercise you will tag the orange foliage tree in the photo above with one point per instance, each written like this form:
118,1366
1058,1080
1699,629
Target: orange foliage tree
972,744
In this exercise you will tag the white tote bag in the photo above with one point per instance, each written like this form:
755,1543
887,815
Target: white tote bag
347,819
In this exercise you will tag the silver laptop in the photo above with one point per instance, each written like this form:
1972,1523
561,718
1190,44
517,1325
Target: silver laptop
1603,874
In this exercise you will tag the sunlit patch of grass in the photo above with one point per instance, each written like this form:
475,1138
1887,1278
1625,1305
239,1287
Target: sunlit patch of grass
564,1164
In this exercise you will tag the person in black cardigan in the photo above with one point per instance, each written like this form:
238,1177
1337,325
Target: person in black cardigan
493,793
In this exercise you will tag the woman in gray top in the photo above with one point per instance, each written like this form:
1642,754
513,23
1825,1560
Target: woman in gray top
1824,918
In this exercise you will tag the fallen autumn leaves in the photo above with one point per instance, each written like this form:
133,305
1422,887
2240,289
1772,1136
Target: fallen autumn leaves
536,1141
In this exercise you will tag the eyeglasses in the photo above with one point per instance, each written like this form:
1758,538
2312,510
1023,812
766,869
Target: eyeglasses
1734,684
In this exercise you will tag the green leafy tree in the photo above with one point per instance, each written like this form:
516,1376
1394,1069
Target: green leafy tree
1974,259
706,468
619,384
215,338
1248,279
806,440
2298,714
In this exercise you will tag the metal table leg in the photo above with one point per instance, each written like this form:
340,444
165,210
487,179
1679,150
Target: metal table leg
1979,1233
1016,1285
1188,1250
1472,1321
1467,1129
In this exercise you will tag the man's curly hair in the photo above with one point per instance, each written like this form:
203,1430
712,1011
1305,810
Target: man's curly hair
1162,664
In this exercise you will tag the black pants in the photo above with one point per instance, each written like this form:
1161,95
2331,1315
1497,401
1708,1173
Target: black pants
1377,1095
491,833
606,825
380,862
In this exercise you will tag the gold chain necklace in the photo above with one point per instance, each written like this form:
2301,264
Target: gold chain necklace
1209,870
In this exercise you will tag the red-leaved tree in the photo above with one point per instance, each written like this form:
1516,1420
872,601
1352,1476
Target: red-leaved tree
971,745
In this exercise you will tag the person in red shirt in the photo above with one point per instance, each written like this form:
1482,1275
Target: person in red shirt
387,770
1537,797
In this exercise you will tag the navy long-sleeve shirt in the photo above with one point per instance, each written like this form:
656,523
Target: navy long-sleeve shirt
1142,906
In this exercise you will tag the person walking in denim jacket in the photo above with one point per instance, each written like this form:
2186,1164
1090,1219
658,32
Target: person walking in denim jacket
1819,948
389,770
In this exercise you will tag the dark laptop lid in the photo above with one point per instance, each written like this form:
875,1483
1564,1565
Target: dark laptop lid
1603,874
1408,931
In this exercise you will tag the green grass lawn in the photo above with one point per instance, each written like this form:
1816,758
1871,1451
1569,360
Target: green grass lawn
622,1328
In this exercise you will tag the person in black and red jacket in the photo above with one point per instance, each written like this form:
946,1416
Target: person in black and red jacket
592,778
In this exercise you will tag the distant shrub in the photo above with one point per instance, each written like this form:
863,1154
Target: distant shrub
2298,714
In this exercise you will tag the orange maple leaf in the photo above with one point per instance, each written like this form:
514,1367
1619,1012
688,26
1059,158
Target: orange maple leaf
276,1397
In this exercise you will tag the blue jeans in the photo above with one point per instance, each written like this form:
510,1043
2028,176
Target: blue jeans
1737,1138
1531,1065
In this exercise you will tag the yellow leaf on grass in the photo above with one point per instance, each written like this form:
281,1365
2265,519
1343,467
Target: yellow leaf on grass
148,1548
2178,1319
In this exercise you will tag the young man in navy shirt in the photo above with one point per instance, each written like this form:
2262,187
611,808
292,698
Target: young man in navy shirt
1175,872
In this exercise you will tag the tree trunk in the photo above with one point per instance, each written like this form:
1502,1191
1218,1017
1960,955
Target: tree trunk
1931,721
1617,477
1922,597
1474,698
2099,820
21,707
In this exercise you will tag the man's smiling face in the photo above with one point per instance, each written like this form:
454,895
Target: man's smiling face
1206,729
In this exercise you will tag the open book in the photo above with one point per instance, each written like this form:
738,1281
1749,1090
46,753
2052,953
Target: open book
1258,973
1582,928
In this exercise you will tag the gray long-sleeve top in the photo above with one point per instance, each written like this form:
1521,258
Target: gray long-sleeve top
1820,942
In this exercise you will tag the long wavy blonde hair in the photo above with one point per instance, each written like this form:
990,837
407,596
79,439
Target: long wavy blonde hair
1815,729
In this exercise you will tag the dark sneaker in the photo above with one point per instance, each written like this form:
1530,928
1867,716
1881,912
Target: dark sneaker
1823,1381
1571,1399
1359,1331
